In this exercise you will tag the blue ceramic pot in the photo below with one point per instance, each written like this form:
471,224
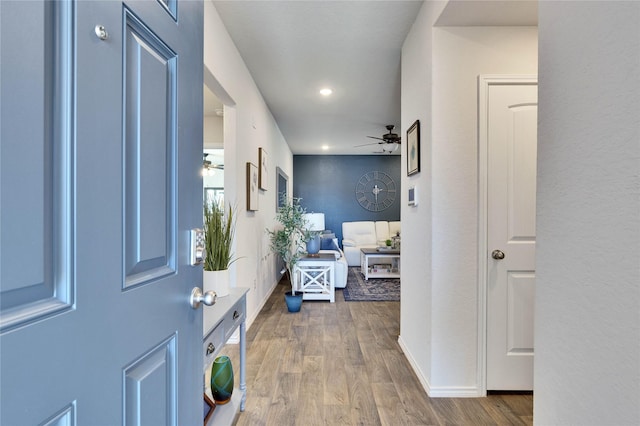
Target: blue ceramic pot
313,245
294,301
221,380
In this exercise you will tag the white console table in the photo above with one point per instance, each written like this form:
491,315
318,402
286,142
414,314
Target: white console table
315,276
220,322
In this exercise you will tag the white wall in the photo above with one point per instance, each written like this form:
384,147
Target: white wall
439,274
587,331
213,132
459,56
415,304
248,125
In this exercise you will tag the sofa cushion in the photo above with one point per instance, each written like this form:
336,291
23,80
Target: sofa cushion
382,231
361,233
358,235
348,243
394,228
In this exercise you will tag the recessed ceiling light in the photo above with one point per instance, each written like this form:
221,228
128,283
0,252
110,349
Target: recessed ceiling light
325,147
326,91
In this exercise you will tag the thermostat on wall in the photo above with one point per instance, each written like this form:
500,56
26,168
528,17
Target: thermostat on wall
413,196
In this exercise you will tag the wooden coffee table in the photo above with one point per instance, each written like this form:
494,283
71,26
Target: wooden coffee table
370,258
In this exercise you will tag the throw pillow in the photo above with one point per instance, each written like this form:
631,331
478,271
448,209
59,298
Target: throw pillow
328,244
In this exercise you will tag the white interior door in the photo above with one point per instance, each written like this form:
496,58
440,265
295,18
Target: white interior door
511,238
100,157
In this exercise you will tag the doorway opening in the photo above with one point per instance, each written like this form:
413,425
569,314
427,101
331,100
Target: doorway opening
213,148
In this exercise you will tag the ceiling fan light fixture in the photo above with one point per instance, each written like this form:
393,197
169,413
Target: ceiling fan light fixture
208,168
390,147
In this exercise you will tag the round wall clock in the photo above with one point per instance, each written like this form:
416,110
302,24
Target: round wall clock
375,191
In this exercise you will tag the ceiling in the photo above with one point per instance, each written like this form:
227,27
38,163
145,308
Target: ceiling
295,48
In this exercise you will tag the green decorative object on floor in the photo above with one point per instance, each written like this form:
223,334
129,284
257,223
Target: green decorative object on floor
221,380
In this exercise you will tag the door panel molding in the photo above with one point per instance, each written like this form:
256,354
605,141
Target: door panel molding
484,83
519,315
37,160
520,179
149,394
66,416
150,113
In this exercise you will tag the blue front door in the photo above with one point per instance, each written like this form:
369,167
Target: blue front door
101,139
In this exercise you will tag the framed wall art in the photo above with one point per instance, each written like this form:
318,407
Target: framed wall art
281,185
413,148
252,187
263,167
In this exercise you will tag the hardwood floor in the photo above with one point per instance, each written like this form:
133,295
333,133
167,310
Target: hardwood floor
340,364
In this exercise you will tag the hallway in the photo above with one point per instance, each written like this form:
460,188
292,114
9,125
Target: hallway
340,364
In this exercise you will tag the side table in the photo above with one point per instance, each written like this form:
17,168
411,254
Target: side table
315,277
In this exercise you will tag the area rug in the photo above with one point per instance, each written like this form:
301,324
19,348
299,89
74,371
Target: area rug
376,289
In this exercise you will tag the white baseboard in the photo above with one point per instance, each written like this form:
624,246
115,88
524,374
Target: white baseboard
414,365
454,392
435,391
263,302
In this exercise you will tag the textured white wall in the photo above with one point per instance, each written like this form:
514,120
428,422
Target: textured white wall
213,132
415,305
439,275
249,125
587,334
460,55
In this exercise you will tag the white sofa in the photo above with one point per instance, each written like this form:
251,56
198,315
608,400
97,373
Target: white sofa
365,234
330,245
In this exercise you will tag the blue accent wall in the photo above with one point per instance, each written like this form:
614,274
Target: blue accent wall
327,184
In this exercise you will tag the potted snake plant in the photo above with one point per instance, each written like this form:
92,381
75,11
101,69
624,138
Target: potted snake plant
219,229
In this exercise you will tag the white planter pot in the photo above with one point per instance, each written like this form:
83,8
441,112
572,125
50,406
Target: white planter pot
217,281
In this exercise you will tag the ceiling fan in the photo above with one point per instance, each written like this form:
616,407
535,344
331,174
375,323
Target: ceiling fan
389,141
208,167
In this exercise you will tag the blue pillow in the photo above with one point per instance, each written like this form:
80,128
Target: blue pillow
328,244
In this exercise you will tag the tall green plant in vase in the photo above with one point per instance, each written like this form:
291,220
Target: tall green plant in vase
219,229
288,241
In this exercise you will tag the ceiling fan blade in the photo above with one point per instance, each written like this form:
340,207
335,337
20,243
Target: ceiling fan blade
389,138
367,144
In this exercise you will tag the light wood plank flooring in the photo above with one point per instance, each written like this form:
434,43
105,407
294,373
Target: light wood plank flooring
340,364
